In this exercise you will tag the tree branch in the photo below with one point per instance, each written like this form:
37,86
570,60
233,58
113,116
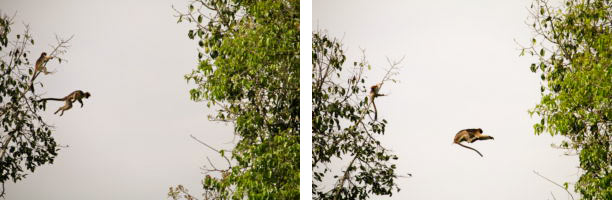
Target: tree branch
210,147
568,192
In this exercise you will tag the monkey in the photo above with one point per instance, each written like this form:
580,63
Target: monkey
77,95
39,66
470,136
374,92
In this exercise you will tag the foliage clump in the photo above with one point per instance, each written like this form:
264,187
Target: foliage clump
344,127
573,44
249,70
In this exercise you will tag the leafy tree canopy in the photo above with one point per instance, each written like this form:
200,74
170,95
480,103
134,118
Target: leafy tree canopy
249,69
344,127
26,140
573,44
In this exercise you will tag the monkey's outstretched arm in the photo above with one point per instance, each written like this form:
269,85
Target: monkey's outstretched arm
471,149
80,101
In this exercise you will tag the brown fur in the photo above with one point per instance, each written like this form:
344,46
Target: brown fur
470,136
77,95
40,65
374,92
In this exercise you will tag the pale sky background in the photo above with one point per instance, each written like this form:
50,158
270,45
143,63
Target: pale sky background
131,139
462,70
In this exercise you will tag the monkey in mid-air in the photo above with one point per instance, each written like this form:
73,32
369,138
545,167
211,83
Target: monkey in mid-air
40,65
374,92
77,95
470,136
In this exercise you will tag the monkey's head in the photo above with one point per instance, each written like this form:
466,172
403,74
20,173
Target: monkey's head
375,88
479,130
86,95
43,54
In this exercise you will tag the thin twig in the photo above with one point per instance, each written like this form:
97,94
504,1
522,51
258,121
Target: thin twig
210,147
3,191
568,192
344,177
59,49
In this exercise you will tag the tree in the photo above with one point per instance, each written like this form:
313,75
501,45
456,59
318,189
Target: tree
575,62
343,127
26,140
249,70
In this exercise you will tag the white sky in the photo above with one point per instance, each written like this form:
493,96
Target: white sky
462,70
131,139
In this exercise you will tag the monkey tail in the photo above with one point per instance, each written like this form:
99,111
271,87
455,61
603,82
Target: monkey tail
52,99
32,81
33,77
375,111
471,149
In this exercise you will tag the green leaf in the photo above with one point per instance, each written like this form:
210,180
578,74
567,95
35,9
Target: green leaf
252,58
576,86
190,34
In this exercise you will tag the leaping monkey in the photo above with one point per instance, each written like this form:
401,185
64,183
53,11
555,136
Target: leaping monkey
470,136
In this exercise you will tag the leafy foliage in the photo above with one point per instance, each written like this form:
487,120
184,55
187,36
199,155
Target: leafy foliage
575,62
343,127
26,140
249,69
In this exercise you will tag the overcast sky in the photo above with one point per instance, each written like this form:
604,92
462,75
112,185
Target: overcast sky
462,70
131,139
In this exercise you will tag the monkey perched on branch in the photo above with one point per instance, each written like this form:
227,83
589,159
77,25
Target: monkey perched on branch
39,66
374,92
77,95
470,136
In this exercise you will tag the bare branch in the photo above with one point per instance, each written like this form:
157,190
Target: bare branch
3,191
210,147
568,192
344,177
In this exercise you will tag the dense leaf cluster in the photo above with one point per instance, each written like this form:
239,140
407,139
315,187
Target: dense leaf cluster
575,62
343,128
249,69
26,140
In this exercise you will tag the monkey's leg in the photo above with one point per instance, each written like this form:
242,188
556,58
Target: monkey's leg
66,107
62,113
81,101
